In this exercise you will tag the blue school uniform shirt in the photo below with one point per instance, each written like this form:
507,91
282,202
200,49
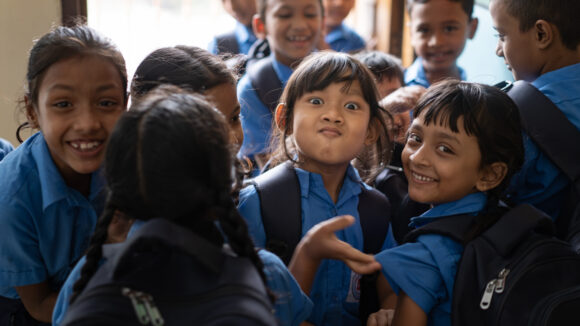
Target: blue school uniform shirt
292,306
425,269
335,290
244,35
45,226
344,39
255,116
5,148
415,74
540,182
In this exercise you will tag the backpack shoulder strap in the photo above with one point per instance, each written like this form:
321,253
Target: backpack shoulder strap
227,43
549,128
279,192
165,233
265,80
374,212
453,227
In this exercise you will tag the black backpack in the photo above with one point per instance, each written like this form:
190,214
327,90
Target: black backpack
279,192
553,133
265,81
515,273
227,43
167,275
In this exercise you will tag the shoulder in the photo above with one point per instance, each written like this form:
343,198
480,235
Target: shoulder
18,172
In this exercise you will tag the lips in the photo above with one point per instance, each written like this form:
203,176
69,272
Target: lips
85,145
330,132
419,178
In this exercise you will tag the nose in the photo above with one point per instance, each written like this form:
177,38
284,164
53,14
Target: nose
87,119
434,39
419,156
333,114
499,49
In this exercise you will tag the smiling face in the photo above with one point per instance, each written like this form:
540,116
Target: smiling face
515,46
441,165
439,30
292,28
79,102
224,97
330,127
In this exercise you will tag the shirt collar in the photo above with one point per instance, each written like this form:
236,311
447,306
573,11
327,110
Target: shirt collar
555,75
244,33
470,204
310,181
282,71
53,186
337,33
415,74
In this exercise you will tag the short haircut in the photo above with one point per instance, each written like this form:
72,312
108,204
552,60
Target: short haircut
383,65
562,13
261,6
467,5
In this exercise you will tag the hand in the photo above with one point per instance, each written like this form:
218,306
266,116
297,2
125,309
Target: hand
383,317
321,242
119,228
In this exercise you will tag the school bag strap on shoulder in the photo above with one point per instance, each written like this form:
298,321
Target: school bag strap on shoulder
227,43
266,82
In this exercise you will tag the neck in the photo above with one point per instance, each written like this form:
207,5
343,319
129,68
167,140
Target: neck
81,183
437,75
561,57
332,177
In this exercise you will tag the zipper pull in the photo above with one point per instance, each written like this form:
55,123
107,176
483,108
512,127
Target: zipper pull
487,295
501,280
138,306
154,314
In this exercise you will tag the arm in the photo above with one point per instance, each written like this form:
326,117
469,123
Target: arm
408,313
38,300
321,243
388,300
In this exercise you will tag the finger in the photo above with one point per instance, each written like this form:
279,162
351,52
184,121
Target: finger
372,321
363,268
338,223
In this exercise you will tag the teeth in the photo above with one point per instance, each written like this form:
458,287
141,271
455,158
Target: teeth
85,146
422,178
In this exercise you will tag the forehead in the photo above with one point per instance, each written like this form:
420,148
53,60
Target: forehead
273,5
435,11
71,71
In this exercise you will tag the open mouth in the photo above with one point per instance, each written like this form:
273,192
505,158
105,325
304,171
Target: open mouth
421,178
85,146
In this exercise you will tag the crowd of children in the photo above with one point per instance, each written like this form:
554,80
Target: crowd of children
370,150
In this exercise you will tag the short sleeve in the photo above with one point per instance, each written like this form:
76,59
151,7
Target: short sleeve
249,208
292,305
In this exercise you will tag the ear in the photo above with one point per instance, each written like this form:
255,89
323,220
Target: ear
31,114
544,33
373,132
491,176
259,27
280,116
472,27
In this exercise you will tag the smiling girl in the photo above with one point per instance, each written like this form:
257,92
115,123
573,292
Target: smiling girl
51,190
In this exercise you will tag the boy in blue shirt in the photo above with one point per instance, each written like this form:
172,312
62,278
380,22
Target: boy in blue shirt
292,29
540,42
338,36
439,30
242,37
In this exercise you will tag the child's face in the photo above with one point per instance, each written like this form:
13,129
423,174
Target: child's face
387,85
439,29
401,123
335,11
242,10
224,97
330,127
79,102
515,46
292,28
440,165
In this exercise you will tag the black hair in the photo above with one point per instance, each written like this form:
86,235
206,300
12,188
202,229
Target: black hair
62,43
562,13
466,5
383,65
316,72
488,114
168,157
262,6
188,67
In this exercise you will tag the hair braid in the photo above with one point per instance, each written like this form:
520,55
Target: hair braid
95,251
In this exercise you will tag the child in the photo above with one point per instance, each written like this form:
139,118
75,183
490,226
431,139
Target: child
338,36
327,116
196,70
292,28
462,148
439,29
392,181
545,51
387,69
242,37
51,189
187,123
5,148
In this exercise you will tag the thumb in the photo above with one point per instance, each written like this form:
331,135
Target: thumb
338,223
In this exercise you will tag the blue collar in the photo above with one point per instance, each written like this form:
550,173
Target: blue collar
415,74
555,75
53,186
350,187
282,71
244,33
337,33
470,204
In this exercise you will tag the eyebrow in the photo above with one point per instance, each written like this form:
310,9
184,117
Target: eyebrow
447,136
65,87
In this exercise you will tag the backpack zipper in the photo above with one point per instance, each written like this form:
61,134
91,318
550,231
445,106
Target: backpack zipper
144,307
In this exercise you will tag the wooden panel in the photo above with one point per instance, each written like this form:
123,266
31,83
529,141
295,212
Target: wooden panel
389,26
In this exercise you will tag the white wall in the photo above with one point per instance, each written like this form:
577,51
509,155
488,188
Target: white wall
21,21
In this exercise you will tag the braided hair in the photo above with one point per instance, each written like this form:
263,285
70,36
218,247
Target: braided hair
168,157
